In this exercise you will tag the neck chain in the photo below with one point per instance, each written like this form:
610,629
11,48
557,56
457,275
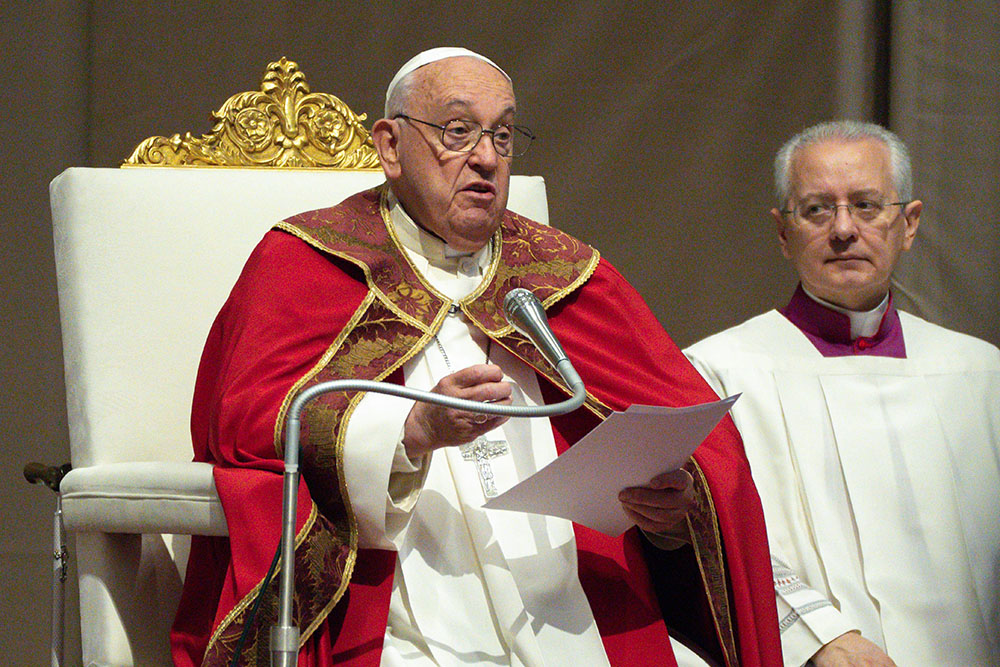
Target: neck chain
447,361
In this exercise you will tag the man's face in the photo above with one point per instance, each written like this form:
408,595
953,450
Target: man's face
847,261
458,196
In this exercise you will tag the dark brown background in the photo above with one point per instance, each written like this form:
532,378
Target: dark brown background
657,122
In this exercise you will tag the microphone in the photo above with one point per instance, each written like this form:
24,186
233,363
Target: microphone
524,312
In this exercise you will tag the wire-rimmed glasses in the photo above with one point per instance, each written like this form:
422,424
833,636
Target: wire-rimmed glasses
463,136
869,211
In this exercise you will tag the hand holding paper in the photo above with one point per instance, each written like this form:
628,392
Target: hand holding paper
660,505
628,449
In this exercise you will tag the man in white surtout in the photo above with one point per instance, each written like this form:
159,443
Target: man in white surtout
873,435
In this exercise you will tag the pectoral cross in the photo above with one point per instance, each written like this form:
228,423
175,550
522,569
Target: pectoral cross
481,451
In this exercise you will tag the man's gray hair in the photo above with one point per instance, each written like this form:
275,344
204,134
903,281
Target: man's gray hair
844,130
398,99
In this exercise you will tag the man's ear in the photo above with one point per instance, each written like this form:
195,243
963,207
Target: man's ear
385,136
780,222
911,213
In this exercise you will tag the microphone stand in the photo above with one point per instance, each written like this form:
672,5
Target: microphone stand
525,313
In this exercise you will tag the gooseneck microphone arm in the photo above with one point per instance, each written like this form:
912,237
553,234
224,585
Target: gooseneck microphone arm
526,315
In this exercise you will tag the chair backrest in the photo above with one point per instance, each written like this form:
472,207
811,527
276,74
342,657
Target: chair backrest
145,258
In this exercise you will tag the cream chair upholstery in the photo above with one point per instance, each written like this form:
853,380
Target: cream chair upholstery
145,258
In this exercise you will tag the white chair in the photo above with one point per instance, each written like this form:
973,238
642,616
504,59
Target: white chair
145,258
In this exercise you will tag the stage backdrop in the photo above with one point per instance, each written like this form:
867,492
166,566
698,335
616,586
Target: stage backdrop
657,123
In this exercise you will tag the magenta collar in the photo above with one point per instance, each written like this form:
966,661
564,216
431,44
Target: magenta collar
830,331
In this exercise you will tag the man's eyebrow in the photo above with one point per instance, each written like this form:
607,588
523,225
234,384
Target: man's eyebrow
456,102
815,195
462,104
825,194
866,192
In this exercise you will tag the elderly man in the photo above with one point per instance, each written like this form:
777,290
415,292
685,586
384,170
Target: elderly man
873,436
397,562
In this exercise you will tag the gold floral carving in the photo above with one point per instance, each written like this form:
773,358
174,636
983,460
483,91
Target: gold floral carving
281,125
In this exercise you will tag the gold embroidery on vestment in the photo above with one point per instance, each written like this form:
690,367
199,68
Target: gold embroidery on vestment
724,634
250,597
317,368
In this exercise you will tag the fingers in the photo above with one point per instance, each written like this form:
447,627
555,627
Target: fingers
675,487
472,376
660,522
675,479
662,504
851,648
483,382
429,426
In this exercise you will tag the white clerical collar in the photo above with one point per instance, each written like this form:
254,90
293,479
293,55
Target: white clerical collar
864,324
422,242
454,273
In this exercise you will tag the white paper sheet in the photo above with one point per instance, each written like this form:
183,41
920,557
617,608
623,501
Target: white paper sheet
628,449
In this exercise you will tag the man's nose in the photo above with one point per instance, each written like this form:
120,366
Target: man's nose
484,153
843,226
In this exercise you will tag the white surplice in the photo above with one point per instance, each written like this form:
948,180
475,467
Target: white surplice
880,481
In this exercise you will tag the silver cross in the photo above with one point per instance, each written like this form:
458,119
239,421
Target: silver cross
481,451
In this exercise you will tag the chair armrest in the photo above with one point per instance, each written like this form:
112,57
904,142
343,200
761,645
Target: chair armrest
143,497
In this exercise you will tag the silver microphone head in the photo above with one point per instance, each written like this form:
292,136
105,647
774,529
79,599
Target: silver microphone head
524,312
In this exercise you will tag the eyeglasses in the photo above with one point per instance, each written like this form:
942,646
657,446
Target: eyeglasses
463,136
821,213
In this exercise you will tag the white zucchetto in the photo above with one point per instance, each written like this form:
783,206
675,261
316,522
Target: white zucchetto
429,56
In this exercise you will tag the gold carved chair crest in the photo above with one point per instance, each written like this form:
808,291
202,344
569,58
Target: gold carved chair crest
283,124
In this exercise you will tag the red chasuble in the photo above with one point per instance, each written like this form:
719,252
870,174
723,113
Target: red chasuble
329,295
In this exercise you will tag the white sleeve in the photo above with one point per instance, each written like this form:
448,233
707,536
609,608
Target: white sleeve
382,482
806,619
